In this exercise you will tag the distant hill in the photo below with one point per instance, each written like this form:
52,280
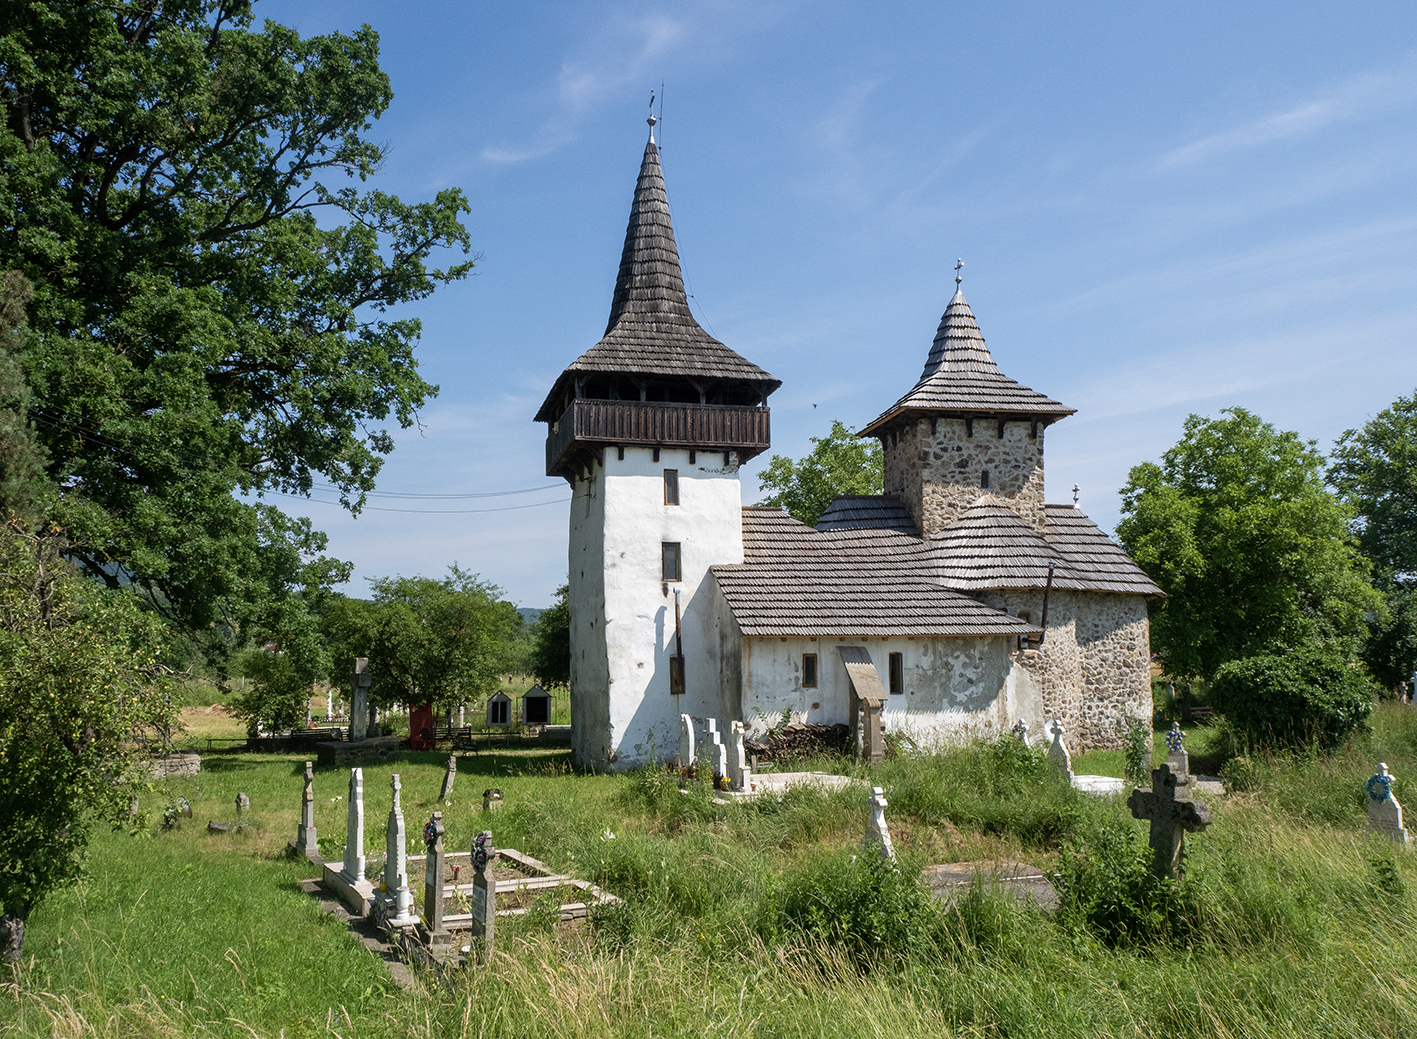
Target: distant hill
528,614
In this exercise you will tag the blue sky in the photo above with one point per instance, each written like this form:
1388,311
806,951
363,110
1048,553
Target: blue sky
1163,209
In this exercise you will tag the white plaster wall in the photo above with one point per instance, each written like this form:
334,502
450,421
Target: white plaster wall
626,615
955,688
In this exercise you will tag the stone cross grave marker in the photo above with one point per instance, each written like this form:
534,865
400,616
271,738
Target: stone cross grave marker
718,752
359,708
1170,819
1058,755
484,894
449,778
433,872
305,843
1176,755
353,870
1384,813
740,774
878,834
686,757
396,864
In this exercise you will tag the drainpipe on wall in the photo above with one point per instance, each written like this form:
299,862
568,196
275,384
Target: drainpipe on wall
676,662
1047,591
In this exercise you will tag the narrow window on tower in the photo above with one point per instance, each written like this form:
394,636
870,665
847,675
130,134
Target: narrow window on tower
671,487
671,561
897,669
984,479
809,670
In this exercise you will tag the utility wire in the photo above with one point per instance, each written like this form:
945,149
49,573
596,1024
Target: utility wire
428,512
411,494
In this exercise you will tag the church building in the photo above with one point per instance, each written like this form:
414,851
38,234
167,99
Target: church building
972,603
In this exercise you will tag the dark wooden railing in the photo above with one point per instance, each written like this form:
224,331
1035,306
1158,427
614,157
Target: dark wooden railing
721,427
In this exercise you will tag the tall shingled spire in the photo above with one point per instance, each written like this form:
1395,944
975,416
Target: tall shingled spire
961,378
652,336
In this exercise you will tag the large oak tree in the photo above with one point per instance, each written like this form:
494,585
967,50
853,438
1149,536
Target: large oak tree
185,192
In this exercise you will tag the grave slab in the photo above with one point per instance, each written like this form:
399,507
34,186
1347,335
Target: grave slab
1019,880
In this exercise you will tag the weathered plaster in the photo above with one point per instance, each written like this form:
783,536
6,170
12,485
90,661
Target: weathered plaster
622,711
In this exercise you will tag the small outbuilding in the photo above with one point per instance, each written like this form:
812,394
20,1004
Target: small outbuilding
536,706
499,709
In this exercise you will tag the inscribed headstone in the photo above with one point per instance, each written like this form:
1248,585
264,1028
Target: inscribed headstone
354,828
484,894
449,777
396,864
359,708
433,872
305,842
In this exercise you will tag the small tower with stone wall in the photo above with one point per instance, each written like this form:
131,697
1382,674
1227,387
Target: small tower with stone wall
649,427
966,430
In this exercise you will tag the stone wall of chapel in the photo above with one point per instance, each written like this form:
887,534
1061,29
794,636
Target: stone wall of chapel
1095,664
937,469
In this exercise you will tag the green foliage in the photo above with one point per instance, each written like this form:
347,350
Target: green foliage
550,659
21,460
278,695
81,693
195,332
1105,884
1253,553
1310,697
870,906
838,463
1374,470
1136,752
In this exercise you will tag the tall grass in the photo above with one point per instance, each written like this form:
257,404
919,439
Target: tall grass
754,919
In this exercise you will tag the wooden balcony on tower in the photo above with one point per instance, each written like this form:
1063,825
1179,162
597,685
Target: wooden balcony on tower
589,424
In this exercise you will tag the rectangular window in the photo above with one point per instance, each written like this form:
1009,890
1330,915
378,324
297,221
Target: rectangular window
671,561
984,479
809,670
897,669
671,487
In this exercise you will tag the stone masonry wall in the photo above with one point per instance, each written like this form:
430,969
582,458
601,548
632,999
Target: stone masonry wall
1095,663
938,473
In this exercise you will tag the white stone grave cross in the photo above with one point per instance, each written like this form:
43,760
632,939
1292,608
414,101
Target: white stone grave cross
1058,755
739,773
449,777
718,751
878,834
1384,813
1170,820
305,842
354,833
396,864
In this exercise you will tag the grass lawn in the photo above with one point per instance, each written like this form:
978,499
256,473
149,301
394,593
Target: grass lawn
754,919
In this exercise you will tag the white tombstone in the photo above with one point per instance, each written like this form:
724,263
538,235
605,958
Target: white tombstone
718,753
1176,755
329,705
739,773
354,836
686,741
878,834
401,912
1058,755
1384,813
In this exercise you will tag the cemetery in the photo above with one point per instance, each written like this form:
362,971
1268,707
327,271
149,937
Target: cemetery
1004,891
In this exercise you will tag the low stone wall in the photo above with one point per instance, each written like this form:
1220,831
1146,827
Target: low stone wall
178,764
353,753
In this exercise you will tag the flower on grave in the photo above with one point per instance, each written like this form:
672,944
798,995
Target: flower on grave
1380,785
1175,739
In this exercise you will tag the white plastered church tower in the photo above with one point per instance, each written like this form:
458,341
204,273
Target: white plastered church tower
650,427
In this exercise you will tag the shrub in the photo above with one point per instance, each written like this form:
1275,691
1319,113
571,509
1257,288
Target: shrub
1105,885
1309,697
861,902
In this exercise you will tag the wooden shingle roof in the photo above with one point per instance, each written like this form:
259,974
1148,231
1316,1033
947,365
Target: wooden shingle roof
961,378
796,581
1094,559
651,331
861,511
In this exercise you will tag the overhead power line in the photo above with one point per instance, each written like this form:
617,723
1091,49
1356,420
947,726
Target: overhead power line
478,494
430,512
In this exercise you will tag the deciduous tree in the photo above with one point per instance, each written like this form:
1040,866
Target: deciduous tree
1253,552
551,642
197,335
838,463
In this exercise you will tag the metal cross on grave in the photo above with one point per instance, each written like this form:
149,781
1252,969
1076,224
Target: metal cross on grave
1170,819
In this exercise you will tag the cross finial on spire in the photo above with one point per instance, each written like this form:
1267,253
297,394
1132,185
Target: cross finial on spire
1075,495
651,120
959,266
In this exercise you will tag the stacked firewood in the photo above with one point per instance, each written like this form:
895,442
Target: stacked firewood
801,740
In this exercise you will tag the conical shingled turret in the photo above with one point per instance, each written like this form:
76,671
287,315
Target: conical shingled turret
961,378
652,336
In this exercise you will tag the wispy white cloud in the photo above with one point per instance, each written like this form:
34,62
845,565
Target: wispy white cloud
1357,98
